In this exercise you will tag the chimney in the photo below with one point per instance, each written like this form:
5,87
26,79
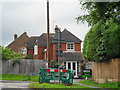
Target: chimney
56,29
15,36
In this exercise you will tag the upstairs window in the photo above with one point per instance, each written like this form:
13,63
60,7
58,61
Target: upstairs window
35,50
70,46
24,51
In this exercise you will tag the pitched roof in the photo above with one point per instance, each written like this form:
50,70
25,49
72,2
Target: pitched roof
42,40
31,42
71,56
69,37
66,36
23,39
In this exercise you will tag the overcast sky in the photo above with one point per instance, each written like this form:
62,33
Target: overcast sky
18,17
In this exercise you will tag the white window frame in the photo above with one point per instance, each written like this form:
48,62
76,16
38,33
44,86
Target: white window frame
24,50
35,50
70,46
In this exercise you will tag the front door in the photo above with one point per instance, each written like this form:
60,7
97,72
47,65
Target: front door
71,65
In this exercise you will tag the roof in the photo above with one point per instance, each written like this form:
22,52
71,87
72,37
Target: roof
66,36
71,56
23,39
42,40
31,42
69,37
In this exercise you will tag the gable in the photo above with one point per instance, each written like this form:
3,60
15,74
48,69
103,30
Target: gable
69,37
21,41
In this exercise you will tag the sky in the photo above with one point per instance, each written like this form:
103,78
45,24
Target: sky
18,16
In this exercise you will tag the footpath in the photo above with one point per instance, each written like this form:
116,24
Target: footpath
77,80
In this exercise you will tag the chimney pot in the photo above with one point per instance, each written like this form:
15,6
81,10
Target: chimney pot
15,36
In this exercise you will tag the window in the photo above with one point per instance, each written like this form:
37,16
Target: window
70,46
35,50
24,51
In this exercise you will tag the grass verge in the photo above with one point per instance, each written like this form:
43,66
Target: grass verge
14,77
46,85
102,85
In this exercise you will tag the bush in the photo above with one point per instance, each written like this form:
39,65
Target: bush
53,64
28,57
7,54
102,42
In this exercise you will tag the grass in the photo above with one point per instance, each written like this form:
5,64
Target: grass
102,85
46,85
15,77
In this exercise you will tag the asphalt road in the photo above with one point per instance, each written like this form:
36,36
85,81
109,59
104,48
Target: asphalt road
14,84
5,84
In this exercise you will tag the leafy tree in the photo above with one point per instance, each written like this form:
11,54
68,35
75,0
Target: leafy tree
102,42
99,11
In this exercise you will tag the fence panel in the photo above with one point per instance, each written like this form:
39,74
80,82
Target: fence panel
103,72
23,67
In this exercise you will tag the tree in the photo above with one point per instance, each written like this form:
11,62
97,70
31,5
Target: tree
99,11
102,42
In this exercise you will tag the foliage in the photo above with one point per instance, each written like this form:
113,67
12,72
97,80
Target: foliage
46,85
99,11
7,54
102,85
102,42
28,57
53,64
14,77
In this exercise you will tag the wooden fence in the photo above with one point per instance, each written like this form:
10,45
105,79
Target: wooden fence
24,67
106,72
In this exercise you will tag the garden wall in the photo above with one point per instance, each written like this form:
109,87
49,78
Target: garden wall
24,67
106,72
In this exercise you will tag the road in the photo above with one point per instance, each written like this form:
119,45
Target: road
14,84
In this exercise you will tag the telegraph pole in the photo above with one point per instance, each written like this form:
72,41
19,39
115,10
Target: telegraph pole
48,35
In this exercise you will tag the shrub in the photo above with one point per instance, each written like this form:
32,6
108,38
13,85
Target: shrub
102,42
53,64
7,54
28,57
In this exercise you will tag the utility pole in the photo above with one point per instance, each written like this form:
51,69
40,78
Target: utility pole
48,35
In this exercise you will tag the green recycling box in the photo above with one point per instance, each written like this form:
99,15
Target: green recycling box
47,74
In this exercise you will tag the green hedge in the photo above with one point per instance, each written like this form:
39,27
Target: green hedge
102,42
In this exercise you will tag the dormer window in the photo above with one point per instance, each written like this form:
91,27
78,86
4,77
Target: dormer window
70,46
35,50
24,51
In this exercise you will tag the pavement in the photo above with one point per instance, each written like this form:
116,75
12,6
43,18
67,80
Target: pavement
77,80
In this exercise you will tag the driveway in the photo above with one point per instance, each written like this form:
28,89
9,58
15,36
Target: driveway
14,84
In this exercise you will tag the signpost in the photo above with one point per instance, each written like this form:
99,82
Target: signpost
87,73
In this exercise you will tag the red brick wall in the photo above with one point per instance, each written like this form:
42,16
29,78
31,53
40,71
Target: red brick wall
41,56
40,52
77,47
30,52
63,46
19,43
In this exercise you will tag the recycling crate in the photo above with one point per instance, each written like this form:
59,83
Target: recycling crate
47,74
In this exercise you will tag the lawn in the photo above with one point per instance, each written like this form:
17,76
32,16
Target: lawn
102,85
46,85
15,77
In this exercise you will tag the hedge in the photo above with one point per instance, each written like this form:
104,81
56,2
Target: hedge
102,42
